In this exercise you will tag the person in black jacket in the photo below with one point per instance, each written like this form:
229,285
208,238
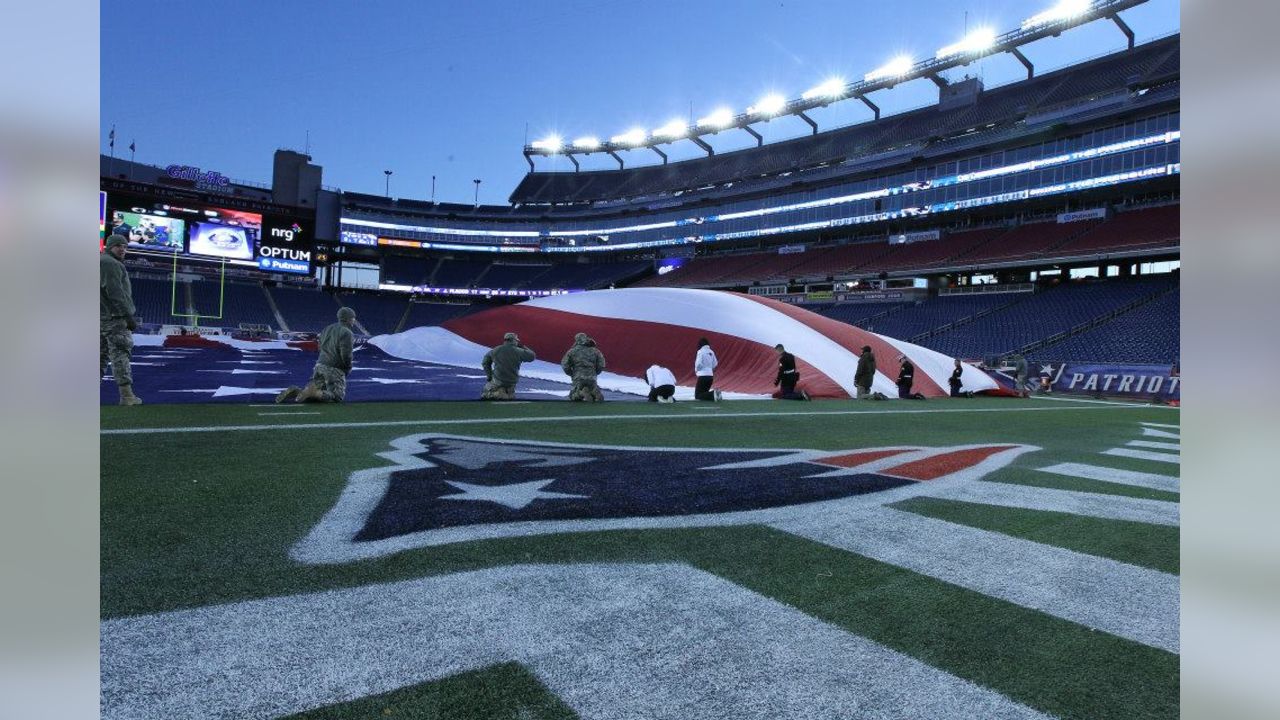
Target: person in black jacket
956,382
866,373
906,377
788,376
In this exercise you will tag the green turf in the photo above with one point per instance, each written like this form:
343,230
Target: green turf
495,693
196,518
1153,546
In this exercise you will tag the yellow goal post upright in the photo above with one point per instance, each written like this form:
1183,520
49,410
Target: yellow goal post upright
196,316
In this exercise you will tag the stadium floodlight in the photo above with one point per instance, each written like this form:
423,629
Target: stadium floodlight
635,136
974,42
768,105
586,143
675,129
1064,10
550,143
896,67
721,118
832,88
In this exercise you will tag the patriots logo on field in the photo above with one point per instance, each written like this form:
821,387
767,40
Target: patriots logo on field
444,489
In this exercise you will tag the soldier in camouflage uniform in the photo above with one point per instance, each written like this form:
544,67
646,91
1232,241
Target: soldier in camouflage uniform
583,362
329,379
116,321
502,368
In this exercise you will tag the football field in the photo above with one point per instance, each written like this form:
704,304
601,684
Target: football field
953,558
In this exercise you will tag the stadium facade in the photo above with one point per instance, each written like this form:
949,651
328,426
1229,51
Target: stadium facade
944,225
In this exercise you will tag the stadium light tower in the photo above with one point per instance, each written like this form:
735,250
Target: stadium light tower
1064,10
768,106
896,67
477,182
388,189
832,89
975,42
673,130
634,137
718,120
551,144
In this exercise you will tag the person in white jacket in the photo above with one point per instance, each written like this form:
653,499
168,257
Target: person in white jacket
662,384
704,366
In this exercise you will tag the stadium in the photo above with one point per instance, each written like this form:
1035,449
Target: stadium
997,539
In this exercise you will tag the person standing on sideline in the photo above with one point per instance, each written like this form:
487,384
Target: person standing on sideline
116,321
955,381
865,375
906,377
704,366
788,376
584,362
662,384
1020,375
502,368
329,378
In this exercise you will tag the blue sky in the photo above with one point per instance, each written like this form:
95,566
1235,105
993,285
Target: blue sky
448,88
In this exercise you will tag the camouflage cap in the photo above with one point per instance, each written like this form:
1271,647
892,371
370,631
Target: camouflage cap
510,337
115,240
346,313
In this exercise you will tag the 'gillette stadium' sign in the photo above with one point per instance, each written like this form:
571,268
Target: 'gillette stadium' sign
212,181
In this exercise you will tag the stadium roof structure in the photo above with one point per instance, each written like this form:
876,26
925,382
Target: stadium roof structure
1066,14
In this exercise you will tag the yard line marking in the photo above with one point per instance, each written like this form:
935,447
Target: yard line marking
287,413
1114,475
1154,444
1111,507
1152,432
1095,402
1134,603
598,635
1143,455
1162,425
585,418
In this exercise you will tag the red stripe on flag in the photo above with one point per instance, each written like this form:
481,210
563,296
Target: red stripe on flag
934,467
631,346
855,459
852,339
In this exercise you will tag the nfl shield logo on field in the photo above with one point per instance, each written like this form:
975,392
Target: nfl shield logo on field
442,489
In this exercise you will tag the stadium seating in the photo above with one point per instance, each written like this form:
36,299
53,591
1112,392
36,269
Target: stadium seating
305,310
1042,315
432,313
1148,333
913,320
587,276
864,315
1135,229
459,273
1026,242
154,300
240,303
933,253
379,314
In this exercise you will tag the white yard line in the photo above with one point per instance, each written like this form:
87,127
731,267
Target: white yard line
592,418
1114,475
1143,455
287,413
1155,445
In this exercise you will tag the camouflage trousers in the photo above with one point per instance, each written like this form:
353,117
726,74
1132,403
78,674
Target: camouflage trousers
586,390
330,383
494,390
115,345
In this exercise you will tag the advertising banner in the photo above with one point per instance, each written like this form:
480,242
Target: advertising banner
285,247
1161,382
